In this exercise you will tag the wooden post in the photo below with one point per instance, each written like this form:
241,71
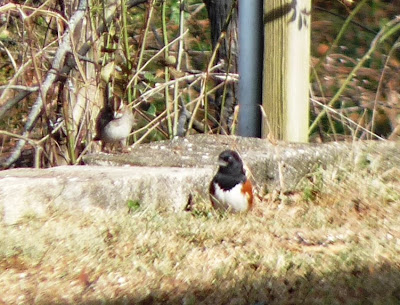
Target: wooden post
287,26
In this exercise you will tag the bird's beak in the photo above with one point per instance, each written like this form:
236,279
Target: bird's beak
117,115
222,163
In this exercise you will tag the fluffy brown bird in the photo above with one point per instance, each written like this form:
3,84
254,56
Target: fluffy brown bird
114,127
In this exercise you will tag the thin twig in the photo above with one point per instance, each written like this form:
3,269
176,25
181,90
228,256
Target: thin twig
389,29
20,88
13,63
178,64
12,102
152,58
339,36
330,109
166,67
51,77
395,47
134,79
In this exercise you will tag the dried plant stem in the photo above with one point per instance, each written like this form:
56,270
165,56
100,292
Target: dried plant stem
178,64
51,77
331,124
126,43
12,60
166,68
134,80
69,126
339,36
394,48
17,136
200,99
209,67
141,69
21,8
23,69
389,29
330,109
155,123
203,94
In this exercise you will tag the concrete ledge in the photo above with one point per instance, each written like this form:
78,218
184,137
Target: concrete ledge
281,166
32,191
165,173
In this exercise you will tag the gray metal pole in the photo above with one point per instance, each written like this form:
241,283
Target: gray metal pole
250,67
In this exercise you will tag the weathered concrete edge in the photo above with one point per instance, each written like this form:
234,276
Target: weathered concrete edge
280,166
32,191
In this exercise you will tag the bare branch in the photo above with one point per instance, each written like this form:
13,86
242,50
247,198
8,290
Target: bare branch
19,87
51,77
12,102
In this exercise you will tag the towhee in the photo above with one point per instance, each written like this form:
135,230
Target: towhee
230,189
113,127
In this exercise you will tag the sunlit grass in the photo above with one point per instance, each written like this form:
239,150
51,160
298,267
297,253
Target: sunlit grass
341,247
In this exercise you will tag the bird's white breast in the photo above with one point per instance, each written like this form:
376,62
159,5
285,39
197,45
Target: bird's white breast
117,130
232,199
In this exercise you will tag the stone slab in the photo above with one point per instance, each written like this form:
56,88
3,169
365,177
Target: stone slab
167,173
32,191
272,166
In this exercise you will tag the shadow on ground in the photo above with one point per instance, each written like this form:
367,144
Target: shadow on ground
365,285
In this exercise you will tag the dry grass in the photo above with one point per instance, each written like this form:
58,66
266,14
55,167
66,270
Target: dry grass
336,242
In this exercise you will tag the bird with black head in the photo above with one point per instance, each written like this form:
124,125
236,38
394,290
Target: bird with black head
230,189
